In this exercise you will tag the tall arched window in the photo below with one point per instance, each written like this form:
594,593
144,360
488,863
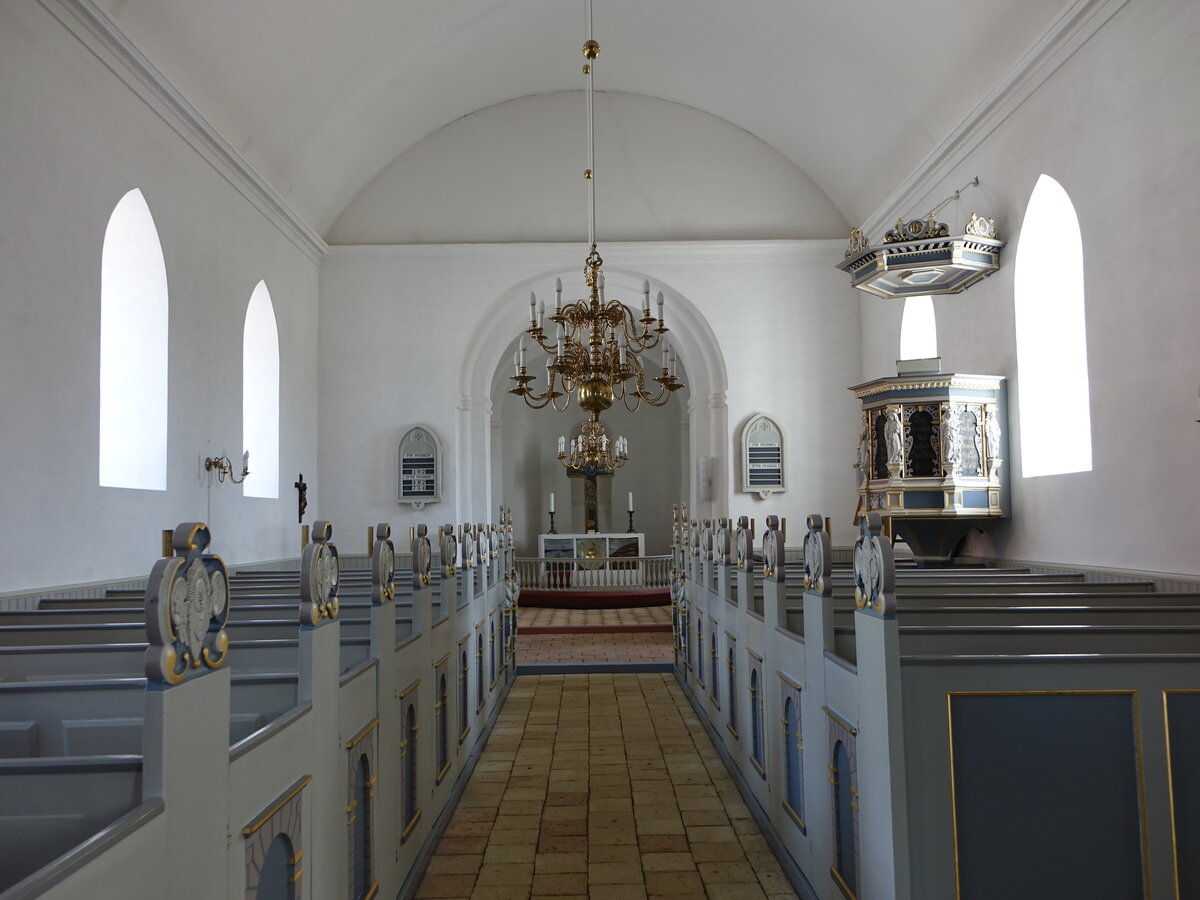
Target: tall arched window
133,350
714,683
732,666
918,329
260,395
1048,295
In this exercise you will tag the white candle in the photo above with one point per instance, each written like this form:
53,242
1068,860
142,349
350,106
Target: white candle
631,501
557,294
532,307
646,296
552,501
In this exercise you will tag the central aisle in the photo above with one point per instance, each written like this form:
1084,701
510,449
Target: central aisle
601,786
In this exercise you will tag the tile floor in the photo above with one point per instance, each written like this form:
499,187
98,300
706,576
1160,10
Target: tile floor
635,616
601,786
593,647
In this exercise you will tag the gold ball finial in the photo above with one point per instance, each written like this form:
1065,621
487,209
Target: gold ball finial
591,50
587,69
587,174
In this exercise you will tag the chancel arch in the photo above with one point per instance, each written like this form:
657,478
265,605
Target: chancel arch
484,401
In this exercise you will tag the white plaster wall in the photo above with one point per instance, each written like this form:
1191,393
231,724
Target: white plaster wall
74,139
1116,126
400,325
514,172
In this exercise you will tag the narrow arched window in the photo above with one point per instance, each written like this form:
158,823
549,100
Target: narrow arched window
918,329
479,670
715,681
491,653
260,395
700,654
1052,367
133,350
362,828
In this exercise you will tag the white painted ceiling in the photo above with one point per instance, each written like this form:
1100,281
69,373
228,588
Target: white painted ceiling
320,96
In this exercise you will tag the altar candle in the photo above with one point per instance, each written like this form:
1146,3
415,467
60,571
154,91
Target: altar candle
631,501
552,501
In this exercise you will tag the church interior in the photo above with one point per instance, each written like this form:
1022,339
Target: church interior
304,341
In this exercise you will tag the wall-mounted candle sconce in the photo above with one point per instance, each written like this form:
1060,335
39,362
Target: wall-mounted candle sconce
224,467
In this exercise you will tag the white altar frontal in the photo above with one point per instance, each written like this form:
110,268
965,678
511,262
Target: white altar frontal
591,546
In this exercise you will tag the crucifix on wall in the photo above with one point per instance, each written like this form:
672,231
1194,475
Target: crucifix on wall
591,495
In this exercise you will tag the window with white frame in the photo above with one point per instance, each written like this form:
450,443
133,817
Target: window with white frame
1051,327
134,318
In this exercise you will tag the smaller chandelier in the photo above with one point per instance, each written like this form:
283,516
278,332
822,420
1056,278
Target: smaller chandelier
592,450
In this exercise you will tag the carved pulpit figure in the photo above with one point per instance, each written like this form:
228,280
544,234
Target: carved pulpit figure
302,499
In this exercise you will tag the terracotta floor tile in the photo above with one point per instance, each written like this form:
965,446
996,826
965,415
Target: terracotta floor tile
558,863
674,883
614,873
560,883
509,874
663,843
445,886
562,843
668,862
445,864
600,853
509,853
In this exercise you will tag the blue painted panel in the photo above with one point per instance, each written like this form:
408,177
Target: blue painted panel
1046,794
924,500
975,499
1183,719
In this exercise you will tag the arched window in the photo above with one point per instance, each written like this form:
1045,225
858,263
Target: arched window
362,828
260,395
479,670
918,329
491,652
133,350
700,653
1051,327
793,798
410,771
275,875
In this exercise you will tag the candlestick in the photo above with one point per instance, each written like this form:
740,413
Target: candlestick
552,531
631,531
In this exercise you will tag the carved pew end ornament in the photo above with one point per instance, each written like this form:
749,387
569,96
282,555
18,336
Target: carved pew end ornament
320,573
422,557
383,566
874,568
187,606
818,557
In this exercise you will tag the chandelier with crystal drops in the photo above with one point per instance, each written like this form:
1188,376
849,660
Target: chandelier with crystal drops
595,350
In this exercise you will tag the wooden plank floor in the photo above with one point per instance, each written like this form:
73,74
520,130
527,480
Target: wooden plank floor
601,786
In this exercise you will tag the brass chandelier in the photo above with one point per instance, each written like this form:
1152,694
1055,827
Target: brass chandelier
595,351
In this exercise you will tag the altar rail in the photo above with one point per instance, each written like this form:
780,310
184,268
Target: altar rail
580,574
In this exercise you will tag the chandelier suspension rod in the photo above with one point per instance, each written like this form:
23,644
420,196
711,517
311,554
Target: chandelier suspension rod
590,175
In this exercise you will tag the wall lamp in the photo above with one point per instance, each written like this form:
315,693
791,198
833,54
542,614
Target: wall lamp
224,467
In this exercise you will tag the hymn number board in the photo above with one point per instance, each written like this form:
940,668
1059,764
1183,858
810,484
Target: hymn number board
420,460
762,457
